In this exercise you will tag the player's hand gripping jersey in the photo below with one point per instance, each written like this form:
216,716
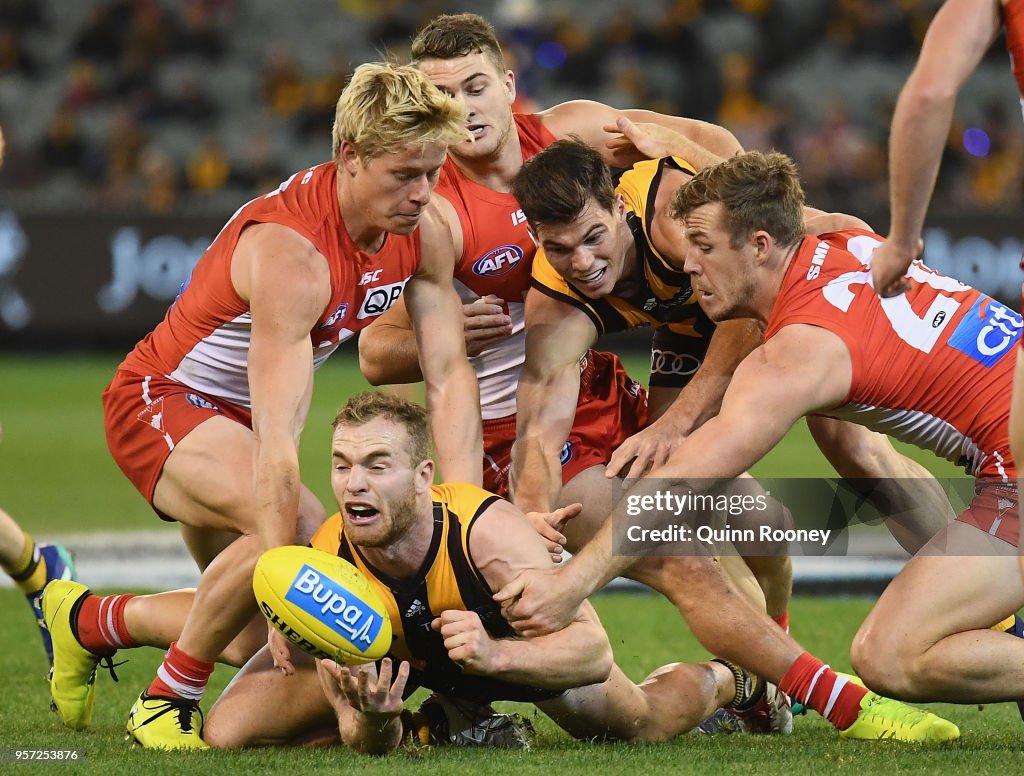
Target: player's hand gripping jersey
932,367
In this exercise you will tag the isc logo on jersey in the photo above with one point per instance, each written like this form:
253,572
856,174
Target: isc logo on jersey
337,608
988,331
498,262
380,298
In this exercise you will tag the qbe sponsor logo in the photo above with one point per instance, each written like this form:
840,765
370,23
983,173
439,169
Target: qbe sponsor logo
380,298
337,608
988,331
498,262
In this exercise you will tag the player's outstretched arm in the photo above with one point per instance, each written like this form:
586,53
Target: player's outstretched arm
702,144
287,285
778,375
557,336
453,396
957,39
368,706
503,545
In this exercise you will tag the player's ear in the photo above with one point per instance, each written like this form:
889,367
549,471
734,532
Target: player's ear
510,86
620,205
424,476
348,157
763,244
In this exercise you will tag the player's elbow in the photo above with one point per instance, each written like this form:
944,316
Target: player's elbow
925,92
598,660
371,364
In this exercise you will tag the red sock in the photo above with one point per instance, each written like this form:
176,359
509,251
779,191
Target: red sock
817,686
100,623
783,620
181,676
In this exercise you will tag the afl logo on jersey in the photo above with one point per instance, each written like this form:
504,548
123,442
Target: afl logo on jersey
498,262
336,316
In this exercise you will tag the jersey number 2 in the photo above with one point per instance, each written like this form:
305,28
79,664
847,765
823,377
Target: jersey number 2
918,331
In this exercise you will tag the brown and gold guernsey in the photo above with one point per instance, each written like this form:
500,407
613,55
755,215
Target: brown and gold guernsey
664,298
448,579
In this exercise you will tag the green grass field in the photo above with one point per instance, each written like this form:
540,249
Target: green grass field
56,474
645,633
57,477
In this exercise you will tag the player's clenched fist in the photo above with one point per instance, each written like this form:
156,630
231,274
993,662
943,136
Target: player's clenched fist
467,642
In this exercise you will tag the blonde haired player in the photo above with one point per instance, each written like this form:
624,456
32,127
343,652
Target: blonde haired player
204,415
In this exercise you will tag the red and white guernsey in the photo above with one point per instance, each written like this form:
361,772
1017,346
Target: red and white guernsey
203,341
497,257
932,367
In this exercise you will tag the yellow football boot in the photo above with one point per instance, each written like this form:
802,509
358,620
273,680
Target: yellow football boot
885,719
73,675
166,723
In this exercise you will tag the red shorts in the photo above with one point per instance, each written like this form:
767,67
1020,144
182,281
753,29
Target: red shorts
611,407
994,511
146,416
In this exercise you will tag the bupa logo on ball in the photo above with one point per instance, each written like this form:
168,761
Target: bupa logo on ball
987,332
499,261
337,608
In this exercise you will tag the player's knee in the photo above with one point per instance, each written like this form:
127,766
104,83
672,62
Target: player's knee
221,730
883,665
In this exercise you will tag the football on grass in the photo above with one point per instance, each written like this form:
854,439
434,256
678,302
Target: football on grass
322,604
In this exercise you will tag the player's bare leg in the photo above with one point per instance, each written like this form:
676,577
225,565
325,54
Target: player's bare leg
156,620
672,700
207,484
929,637
263,707
908,497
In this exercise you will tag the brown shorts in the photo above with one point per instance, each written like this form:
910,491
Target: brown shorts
611,407
145,416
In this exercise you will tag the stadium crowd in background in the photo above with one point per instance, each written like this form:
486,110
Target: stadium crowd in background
118,89
104,88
